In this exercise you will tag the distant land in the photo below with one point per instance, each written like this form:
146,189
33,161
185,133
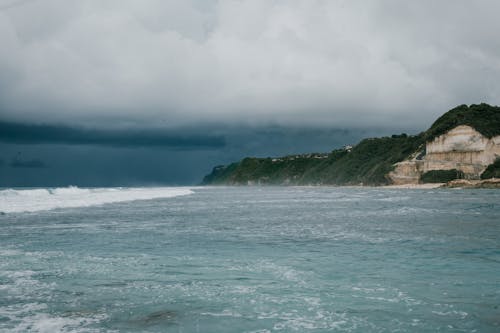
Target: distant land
461,148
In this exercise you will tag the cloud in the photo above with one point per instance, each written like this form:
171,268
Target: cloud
107,165
177,62
13,3
30,164
58,134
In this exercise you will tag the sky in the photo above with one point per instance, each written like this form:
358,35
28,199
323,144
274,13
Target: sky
122,92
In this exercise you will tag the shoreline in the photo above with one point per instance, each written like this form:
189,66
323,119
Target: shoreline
493,183
425,186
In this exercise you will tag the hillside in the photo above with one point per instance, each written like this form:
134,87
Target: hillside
367,163
482,117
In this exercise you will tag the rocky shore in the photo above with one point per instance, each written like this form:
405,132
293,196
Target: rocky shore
463,183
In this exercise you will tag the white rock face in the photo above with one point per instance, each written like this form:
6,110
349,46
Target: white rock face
463,144
462,148
407,172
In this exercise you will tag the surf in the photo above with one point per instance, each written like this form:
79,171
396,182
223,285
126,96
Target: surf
40,199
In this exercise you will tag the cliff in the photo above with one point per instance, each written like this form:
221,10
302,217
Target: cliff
463,143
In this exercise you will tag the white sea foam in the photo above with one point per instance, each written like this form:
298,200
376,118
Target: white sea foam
32,317
32,200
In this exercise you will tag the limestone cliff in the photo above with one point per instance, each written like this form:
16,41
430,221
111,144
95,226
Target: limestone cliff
462,148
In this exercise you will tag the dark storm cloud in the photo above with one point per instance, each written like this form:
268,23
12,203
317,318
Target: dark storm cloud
30,164
105,165
316,62
39,134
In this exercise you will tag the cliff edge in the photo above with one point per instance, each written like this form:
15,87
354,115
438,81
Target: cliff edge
461,144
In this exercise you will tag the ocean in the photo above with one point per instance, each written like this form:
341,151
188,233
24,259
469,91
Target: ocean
249,259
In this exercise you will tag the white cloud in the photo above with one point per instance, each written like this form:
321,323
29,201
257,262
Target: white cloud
320,62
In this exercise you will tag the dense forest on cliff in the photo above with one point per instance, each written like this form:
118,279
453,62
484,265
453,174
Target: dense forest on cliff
483,117
367,163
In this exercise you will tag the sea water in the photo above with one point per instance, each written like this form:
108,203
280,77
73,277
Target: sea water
249,259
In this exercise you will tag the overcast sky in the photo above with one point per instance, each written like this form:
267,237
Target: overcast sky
178,62
119,92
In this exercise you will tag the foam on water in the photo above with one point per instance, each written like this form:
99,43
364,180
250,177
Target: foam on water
32,317
32,200
255,260
26,309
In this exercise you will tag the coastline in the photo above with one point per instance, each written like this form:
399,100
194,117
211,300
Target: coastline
425,186
493,183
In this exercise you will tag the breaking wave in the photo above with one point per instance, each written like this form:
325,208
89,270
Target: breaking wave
32,200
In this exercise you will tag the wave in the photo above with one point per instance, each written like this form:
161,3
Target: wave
33,200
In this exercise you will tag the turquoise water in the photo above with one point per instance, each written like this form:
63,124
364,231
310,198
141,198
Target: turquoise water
255,259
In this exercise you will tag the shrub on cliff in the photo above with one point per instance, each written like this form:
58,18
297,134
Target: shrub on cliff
492,171
441,176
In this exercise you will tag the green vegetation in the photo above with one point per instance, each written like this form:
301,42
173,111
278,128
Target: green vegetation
492,171
483,117
367,163
282,170
441,176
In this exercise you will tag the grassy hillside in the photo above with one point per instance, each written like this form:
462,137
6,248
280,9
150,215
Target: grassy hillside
367,163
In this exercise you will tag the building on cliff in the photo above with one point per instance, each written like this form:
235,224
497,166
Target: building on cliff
462,148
